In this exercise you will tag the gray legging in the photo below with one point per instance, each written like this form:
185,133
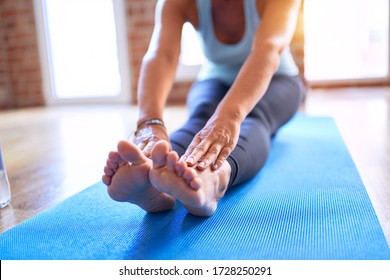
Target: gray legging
278,105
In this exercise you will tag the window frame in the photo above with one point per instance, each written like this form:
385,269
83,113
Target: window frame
49,90
379,81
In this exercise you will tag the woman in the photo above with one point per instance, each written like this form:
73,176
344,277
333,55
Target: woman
248,88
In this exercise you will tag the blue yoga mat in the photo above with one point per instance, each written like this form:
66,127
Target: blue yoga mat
308,202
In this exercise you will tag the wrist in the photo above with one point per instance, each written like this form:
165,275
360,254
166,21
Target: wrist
149,122
149,112
148,130
230,113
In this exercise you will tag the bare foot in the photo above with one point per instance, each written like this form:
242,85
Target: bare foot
127,176
198,191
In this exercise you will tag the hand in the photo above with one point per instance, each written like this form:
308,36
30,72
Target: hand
148,135
213,144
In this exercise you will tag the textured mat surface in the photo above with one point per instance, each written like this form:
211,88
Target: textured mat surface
308,202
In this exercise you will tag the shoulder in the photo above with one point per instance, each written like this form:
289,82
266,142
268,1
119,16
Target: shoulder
260,4
268,6
184,8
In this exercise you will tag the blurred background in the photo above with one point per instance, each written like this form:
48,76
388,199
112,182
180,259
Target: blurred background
89,51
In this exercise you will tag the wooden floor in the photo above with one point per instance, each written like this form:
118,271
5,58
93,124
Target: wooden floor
52,153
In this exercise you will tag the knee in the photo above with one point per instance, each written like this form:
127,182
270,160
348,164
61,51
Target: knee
250,155
204,97
203,110
297,91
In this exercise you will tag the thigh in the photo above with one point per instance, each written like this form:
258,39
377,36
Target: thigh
251,151
204,97
280,102
202,100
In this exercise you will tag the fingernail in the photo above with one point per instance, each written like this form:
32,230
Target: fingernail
215,166
190,160
202,164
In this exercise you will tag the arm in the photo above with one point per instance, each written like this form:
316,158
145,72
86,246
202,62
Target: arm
216,141
158,71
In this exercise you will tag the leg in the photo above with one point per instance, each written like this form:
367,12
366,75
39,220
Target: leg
202,101
127,178
278,105
127,171
198,191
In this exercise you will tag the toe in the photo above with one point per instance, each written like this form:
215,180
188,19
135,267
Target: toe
180,167
112,165
195,183
131,153
172,158
108,171
159,154
115,157
189,174
106,180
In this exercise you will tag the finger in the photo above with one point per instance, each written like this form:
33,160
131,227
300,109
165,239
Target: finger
198,152
223,155
141,145
148,148
210,156
189,150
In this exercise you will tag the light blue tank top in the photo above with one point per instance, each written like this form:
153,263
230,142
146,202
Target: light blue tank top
223,61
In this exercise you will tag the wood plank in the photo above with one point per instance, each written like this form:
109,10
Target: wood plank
52,153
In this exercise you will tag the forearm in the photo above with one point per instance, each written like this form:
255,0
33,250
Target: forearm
218,138
155,83
272,37
250,84
158,72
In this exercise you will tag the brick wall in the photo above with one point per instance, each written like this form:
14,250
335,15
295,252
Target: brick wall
21,85
4,77
20,73
140,21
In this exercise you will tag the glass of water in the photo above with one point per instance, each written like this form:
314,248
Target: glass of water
5,192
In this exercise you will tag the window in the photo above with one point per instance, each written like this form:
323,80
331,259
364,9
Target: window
83,47
191,57
346,40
